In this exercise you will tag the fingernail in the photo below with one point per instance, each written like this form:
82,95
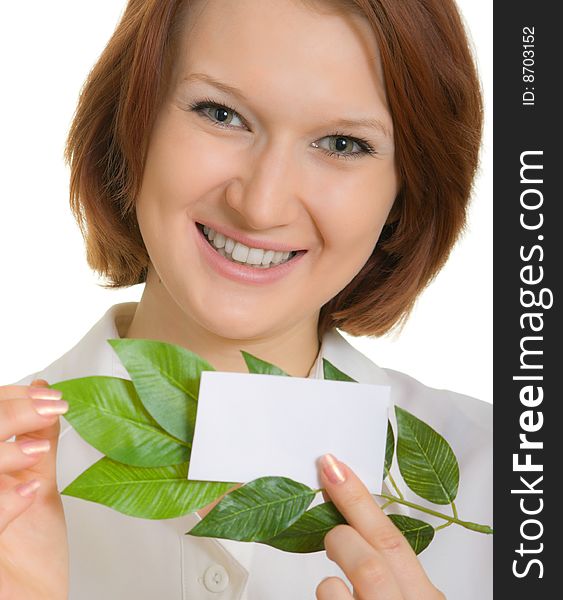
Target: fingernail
332,469
49,408
34,447
27,489
45,393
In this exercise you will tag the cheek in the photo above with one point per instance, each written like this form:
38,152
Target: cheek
354,211
184,167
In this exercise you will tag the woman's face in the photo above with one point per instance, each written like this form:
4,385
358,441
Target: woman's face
273,163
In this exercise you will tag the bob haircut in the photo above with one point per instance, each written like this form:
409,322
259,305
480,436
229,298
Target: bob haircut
435,102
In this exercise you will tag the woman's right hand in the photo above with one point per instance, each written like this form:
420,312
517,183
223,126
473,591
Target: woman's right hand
33,537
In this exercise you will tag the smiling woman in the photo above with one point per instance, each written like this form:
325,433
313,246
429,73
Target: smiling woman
261,174
271,170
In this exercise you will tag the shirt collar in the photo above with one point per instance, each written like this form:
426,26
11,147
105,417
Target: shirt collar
94,356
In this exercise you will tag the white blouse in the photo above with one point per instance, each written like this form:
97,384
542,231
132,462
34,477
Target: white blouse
118,557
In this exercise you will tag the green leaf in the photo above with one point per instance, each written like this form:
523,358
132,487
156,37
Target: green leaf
108,414
149,493
426,461
256,511
389,450
167,379
418,533
331,372
308,532
259,366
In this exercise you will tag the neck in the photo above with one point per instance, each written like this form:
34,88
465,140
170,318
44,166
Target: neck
159,317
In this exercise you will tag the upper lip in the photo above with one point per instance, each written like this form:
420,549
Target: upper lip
250,242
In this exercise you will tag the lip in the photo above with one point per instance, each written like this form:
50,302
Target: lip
240,272
264,244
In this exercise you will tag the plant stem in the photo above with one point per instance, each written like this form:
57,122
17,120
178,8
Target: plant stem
454,510
395,486
450,520
455,519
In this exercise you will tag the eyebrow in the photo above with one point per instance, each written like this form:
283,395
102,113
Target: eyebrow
371,123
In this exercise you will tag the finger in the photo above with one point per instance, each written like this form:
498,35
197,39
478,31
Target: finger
364,566
15,500
362,512
333,588
40,383
13,391
20,391
39,429
15,456
36,410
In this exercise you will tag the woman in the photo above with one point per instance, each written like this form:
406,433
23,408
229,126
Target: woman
209,147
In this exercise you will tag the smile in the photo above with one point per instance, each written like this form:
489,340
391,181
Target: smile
238,252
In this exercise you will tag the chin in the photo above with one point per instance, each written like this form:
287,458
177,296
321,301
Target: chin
236,326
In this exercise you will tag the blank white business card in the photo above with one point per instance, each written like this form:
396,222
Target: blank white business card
251,425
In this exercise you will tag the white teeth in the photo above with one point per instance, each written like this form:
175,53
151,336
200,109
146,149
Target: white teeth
236,251
268,257
240,252
255,256
229,245
219,240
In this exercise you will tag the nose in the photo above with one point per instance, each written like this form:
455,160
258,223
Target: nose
264,195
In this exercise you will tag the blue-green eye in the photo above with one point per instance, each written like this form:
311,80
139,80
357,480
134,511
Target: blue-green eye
220,114
341,146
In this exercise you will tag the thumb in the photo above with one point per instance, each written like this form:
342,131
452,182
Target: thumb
46,467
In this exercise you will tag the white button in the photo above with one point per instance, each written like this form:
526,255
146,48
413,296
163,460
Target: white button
216,578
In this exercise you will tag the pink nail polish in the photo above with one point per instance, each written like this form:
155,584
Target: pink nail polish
49,408
27,489
34,447
45,393
332,469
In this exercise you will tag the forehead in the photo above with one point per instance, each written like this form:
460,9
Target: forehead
285,49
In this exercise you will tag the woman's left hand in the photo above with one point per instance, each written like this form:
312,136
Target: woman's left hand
374,554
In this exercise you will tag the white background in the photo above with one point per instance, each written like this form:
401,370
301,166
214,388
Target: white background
49,298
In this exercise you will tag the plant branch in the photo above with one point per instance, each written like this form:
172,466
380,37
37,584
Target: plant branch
454,510
395,486
455,519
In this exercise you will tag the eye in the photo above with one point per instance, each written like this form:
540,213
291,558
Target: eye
341,146
219,115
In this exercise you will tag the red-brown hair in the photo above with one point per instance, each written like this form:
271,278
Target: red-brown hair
435,101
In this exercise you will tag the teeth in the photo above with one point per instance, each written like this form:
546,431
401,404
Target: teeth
229,246
268,257
240,252
219,240
236,251
255,256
